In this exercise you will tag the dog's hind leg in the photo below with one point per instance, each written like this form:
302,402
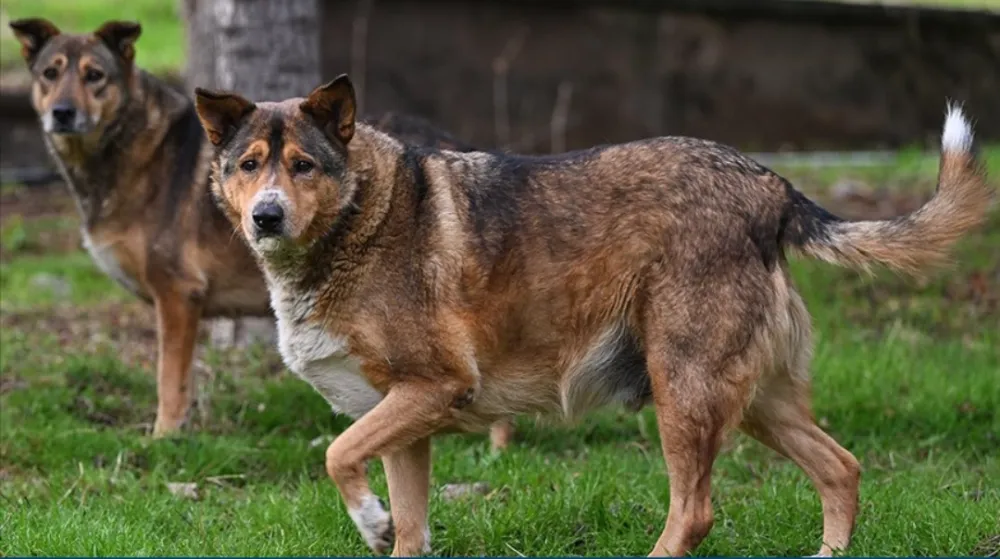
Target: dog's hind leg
701,379
177,318
693,415
780,417
501,433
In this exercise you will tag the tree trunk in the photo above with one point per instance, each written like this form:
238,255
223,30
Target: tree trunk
266,50
199,70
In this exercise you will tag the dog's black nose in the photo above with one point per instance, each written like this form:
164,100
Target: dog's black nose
63,114
267,216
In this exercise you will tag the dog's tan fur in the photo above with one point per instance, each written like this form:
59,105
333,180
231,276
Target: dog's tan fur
137,165
424,291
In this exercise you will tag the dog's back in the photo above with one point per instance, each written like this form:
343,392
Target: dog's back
416,130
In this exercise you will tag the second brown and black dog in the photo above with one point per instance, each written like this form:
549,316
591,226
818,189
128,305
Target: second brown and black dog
132,151
422,291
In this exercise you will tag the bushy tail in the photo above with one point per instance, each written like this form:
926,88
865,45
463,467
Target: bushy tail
908,243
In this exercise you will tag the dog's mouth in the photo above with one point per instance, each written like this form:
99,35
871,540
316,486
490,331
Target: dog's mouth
276,249
63,130
259,235
67,129
269,238
266,240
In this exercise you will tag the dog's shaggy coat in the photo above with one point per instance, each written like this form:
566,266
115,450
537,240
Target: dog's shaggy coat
423,290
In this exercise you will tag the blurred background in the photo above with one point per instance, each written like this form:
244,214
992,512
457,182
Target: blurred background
764,75
846,99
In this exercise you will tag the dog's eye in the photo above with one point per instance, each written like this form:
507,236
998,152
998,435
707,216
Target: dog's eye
249,166
93,75
302,166
51,73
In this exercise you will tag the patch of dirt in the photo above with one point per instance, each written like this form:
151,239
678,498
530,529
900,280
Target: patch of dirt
30,202
38,220
99,350
108,409
956,302
854,199
90,341
989,547
10,383
127,328
59,240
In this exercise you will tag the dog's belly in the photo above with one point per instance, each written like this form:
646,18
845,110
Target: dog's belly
108,257
323,361
611,370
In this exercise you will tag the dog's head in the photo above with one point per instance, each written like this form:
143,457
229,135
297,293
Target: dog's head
281,170
80,82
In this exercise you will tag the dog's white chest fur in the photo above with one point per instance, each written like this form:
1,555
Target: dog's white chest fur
106,259
321,359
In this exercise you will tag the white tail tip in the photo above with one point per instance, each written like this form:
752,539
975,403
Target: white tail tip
957,136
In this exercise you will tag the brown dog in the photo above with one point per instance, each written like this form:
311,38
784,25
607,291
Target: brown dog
132,152
423,291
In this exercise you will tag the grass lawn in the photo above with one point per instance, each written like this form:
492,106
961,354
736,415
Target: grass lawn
906,377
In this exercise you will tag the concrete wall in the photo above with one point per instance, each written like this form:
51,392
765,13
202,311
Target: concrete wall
761,74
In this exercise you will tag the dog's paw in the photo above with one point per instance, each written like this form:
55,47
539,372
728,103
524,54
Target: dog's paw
374,523
827,551
413,547
167,427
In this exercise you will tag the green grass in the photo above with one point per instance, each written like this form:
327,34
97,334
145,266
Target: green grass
78,486
906,377
24,284
161,47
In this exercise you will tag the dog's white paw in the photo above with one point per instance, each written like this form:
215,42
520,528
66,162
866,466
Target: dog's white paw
426,549
374,523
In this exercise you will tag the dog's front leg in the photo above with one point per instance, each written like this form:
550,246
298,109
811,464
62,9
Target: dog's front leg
408,472
177,319
396,429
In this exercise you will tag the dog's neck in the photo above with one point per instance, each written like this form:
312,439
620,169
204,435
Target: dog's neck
101,168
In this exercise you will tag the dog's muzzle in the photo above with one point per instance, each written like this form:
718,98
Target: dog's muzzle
268,219
63,118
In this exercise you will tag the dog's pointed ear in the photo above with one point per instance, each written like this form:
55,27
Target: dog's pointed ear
33,34
334,107
120,37
220,112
